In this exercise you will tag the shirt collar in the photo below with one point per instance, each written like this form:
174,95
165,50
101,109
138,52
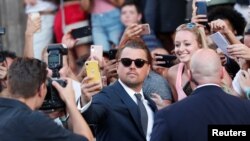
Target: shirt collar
130,91
208,84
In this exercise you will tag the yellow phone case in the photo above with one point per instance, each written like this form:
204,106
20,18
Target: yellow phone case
93,71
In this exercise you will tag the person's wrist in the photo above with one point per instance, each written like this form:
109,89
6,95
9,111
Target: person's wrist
28,33
227,32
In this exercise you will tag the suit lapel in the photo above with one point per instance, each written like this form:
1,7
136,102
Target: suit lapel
151,103
131,105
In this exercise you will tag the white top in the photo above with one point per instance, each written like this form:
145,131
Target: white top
236,84
40,6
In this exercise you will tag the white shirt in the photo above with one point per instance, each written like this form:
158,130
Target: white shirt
236,84
150,112
208,84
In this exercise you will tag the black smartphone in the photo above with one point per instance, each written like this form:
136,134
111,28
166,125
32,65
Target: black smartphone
81,32
201,9
112,54
168,59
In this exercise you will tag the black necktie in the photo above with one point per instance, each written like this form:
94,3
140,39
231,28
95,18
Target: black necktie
143,113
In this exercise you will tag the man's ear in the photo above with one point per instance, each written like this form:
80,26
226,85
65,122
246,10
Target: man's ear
42,90
190,77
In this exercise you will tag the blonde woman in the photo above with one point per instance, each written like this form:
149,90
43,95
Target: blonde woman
188,39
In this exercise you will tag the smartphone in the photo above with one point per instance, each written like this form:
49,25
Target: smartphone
81,32
220,41
112,54
92,70
145,29
97,51
168,59
201,9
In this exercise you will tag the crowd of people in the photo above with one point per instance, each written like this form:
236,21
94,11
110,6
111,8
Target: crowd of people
138,95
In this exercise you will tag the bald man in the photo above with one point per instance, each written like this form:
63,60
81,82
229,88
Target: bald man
188,119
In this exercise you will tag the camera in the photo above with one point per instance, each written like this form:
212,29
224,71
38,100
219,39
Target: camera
52,100
55,58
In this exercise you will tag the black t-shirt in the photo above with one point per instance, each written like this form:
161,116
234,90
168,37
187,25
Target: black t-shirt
20,123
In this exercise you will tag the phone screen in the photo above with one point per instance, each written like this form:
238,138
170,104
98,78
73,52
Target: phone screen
145,29
97,51
81,32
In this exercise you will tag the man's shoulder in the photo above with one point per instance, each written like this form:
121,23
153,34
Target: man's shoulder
108,93
112,88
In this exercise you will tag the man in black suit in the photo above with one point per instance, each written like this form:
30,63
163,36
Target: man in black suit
188,120
117,113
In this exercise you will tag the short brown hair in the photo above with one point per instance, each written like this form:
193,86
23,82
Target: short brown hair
25,77
135,43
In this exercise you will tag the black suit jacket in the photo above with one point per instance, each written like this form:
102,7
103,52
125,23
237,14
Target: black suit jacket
188,119
115,115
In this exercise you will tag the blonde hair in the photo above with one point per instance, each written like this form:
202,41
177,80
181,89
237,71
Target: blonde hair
197,31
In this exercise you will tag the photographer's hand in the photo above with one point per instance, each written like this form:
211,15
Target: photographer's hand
67,94
79,125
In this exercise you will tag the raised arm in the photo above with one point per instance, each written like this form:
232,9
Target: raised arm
79,125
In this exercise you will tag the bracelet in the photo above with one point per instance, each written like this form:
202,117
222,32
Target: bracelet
247,92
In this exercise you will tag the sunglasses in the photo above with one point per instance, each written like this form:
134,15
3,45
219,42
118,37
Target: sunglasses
139,63
186,26
192,26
